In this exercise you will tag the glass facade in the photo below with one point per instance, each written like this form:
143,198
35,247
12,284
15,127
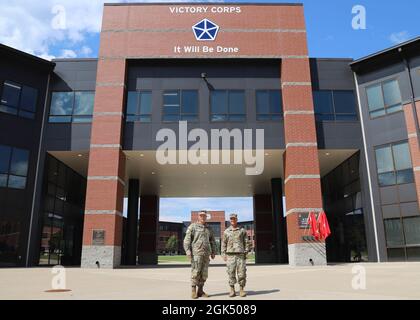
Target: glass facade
18,100
13,167
14,200
335,105
227,105
269,105
384,98
394,164
74,106
343,205
63,212
180,105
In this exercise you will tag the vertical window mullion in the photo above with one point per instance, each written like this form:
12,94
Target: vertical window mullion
138,105
10,166
181,111
383,99
228,104
72,108
19,100
393,161
333,106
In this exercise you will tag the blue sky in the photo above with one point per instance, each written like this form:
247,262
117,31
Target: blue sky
29,26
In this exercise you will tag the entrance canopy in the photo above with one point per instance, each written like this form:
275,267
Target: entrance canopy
202,180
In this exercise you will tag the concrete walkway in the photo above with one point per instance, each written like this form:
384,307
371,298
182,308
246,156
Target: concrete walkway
383,281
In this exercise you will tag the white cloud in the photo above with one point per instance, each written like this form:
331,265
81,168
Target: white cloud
86,51
31,26
399,37
67,53
37,26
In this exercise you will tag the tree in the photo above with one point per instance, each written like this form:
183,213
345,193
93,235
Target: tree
172,244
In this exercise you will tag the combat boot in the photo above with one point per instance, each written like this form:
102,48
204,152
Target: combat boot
201,293
232,292
242,293
194,293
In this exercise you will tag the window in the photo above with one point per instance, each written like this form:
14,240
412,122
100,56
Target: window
227,105
180,105
384,98
412,230
139,106
394,233
62,216
75,106
403,239
13,167
335,105
394,165
19,100
269,105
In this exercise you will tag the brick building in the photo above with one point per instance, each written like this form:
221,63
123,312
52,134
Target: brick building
339,135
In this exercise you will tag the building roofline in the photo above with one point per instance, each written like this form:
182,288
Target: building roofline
29,57
355,65
332,59
74,59
284,4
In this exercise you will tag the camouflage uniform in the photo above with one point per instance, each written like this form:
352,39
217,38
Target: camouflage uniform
200,243
235,246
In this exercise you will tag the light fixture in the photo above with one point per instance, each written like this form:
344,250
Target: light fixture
153,173
80,155
141,155
327,154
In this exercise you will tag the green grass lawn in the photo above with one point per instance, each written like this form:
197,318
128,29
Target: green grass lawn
183,259
163,259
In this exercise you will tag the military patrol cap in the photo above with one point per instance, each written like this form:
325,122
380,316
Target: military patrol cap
202,212
233,216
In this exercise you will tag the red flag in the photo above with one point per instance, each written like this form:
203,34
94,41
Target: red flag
313,225
324,228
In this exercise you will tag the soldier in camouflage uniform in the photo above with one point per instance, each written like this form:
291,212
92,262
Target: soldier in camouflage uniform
235,247
199,244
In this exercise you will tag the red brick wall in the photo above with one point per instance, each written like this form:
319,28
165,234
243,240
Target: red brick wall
301,163
123,38
216,216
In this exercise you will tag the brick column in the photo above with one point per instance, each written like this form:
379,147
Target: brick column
102,234
148,230
263,219
413,140
301,163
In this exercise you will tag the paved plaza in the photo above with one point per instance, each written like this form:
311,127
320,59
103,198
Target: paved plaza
171,282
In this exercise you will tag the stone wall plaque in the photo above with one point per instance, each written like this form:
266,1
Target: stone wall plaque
98,237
